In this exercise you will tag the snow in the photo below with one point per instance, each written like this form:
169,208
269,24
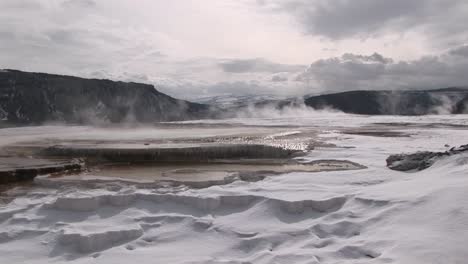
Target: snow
373,215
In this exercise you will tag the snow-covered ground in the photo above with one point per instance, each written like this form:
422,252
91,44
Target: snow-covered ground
373,215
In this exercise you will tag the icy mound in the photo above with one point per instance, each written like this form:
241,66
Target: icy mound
191,228
75,224
90,203
93,203
89,238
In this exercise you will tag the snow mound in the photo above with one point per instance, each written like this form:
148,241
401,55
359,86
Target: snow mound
89,203
102,224
93,203
90,238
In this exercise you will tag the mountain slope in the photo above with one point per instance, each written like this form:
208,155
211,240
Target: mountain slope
35,98
418,102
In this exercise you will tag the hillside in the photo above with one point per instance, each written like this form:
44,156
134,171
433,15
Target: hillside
417,102
35,98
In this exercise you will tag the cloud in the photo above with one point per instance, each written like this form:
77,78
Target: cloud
279,78
354,72
22,5
460,51
256,65
198,90
343,19
69,37
79,3
347,72
374,58
193,56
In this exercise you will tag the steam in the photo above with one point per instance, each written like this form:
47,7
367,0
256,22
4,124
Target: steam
446,107
397,103
274,110
390,103
465,108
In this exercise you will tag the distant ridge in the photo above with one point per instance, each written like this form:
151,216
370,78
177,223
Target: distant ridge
451,100
36,98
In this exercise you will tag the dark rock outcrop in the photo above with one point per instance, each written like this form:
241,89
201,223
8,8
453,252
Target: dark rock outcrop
16,169
35,98
420,160
418,102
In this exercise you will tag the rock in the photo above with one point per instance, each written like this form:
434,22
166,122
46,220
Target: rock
17,169
407,162
420,160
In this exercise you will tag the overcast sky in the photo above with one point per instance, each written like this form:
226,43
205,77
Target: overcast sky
195,48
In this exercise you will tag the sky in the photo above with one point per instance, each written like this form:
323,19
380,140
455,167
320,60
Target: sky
200,48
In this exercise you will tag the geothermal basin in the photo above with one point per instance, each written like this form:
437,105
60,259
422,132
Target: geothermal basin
299,189
205,155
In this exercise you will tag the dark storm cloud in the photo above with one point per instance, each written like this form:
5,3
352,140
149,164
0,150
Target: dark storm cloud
256,65
351,72
366,18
